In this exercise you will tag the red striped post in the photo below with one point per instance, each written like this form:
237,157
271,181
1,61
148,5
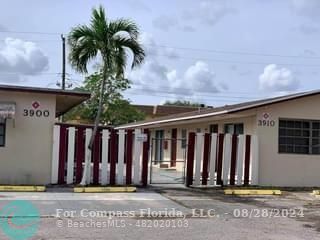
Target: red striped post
173,147
219,159
62,154
96,158
145,159
233,159
190,159
79,153
113,156
247,160
206,154
128,157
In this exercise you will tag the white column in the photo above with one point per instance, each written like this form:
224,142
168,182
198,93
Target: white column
213,155
226,158
121,145
87,169
137,157
104,157
55,154
199,154
240,157
254,160
70,160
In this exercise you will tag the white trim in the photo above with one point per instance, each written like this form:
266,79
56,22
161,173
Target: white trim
213,154
55,154
104,157
226,158
70,161
137,157
240,157
254,160
199,151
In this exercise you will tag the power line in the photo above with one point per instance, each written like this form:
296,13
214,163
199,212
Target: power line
236,62
232,52
200,93
184,97
30,32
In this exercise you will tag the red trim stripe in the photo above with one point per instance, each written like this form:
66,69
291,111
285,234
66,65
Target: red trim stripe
79,153
62,154
145,159
96,158
206,154
173,147
190,159
247,160
233,159
219,159
113,151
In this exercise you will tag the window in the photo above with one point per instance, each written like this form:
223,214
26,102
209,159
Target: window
183,138
232,128
2,132
214,128
299,136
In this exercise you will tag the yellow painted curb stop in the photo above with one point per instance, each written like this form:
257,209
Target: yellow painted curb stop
251,192
104,189
22,188
316,192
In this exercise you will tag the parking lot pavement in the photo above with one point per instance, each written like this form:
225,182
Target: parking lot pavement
176,213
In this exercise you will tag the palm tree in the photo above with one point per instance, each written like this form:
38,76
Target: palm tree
107,41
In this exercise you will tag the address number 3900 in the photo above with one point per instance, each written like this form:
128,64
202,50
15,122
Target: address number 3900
35,113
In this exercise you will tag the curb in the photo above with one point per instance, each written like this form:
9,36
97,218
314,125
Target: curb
22,188
251,192
104,189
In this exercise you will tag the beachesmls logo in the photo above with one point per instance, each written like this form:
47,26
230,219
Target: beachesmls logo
19,220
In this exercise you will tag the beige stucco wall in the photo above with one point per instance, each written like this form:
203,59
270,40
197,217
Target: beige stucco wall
287,169
275,169
26,157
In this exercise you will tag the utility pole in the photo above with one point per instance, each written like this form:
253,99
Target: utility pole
63,75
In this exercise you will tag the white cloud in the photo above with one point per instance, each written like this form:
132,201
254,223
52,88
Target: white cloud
307,8
165,22
19,58
277,79
308,29
152,50
209,11
155,77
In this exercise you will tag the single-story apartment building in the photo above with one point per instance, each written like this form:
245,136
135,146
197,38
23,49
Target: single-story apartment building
287,129
27,117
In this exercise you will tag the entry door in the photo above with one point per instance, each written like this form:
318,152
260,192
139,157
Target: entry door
159,146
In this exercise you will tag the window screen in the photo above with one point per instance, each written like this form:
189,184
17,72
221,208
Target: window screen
2,133
233,128
299,136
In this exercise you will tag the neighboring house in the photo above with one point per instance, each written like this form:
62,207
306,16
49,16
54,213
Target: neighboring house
287,127
27,117
163,110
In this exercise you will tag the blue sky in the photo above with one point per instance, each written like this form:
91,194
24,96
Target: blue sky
212,51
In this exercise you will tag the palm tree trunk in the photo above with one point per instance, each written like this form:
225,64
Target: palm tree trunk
87,166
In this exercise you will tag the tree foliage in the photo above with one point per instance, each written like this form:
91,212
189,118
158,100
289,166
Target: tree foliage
119,110
182,103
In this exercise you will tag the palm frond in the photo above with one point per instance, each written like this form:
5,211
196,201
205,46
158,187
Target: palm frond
83,47
134,46
124,25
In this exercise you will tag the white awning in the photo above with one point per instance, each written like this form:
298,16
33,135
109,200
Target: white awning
7,110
